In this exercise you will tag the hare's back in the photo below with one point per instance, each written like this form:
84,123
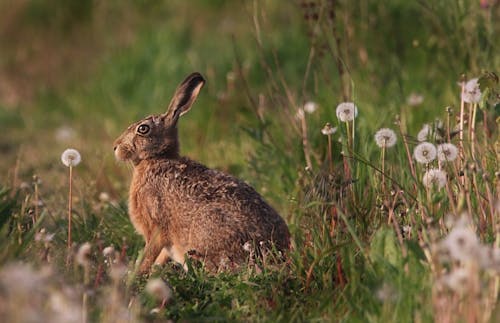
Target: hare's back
219,197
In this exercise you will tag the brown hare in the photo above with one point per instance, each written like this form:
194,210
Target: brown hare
183,208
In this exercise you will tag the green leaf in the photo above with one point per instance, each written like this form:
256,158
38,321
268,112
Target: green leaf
384,247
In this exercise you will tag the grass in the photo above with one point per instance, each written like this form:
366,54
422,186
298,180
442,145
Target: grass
364,248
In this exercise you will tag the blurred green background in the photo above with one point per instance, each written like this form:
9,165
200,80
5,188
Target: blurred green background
76,73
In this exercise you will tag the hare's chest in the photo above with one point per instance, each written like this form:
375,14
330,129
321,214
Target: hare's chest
137,214
141,207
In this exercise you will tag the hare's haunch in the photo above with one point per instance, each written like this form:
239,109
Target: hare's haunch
183,208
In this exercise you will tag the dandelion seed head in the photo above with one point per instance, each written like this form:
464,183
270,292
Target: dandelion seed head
109,251
43,236
117,271
83,254
415,99
447,152
385,138
435,177
424,133
104,197
458,280
346,111
310,107
18,278
328,129
64,134
157,288
64,306
71,157
471,93
247,246
425,153
462,244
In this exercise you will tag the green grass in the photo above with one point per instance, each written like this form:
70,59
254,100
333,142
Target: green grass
263,60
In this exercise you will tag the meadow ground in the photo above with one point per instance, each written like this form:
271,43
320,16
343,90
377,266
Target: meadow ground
398,225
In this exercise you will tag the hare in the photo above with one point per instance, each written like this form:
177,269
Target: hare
183,208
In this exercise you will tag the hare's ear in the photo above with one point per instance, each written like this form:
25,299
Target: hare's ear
184,97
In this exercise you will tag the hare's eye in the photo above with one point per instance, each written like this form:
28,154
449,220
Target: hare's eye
143,129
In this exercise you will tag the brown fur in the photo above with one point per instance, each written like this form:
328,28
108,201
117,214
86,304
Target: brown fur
181,207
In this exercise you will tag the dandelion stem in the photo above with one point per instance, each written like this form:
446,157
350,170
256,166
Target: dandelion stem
305,141
461,126
330,159
70,204
473,131
383,169
35,178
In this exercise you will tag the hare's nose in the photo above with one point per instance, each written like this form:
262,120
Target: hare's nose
114,148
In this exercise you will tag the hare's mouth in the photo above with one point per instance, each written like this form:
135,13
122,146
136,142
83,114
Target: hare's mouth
121,153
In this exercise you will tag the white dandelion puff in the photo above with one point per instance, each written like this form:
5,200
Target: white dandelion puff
385,138
434,177
157,288
71,157
425,153
109,251
458,280
117,271
310,107
415,99
328,129
64,134
346,111
247,246
462,244
83,254
424,133
472,93
447,152
104,197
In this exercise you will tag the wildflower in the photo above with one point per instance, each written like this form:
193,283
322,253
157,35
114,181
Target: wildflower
18,278
328,129
310,107
447,152
83,254
159,289
346,111
457,280
247,246
472,93
64,134
425,152
462,244
43,236
385,138
71,157
109,251
386,293
489,258
117,271
434,177
104,197
424,133
415,99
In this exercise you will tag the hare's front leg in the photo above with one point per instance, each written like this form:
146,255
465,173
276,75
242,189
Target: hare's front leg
151,252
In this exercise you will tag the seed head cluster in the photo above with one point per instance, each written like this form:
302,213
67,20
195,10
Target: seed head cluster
71,157
385,138
425,153
434,177
346,111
